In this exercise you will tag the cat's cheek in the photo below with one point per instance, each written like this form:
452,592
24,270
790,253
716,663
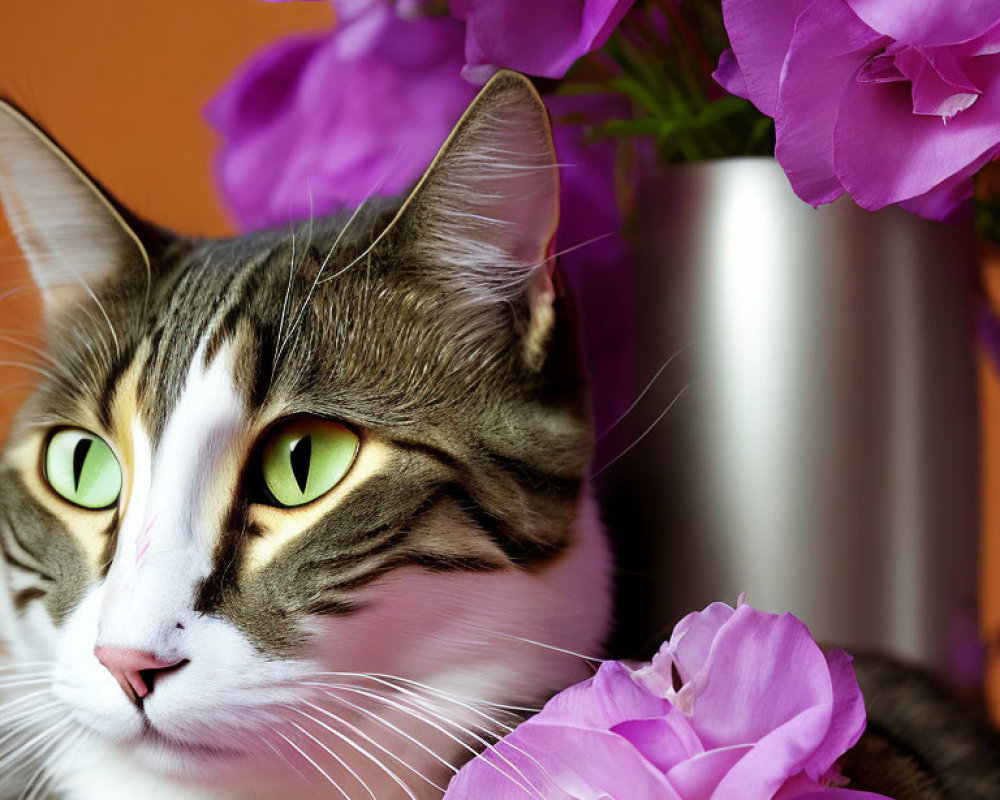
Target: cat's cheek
28,634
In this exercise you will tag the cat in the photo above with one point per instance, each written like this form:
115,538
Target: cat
922,742
303,512
306,513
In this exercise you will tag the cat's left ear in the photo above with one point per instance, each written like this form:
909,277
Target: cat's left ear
72,235
486,211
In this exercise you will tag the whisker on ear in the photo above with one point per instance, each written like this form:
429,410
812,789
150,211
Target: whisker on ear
37,351
31,367
114,334
20,289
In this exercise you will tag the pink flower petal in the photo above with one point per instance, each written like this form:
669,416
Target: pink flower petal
610,697
560,763
664,742
313,125
770,716
930,22
699,777
885,154
847,721
940,86
538,38
759,33
799,787
686,651
784,751
950,200
834,794
729,75
762,672
828,46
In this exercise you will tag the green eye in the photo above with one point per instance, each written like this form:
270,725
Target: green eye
82,469
305,459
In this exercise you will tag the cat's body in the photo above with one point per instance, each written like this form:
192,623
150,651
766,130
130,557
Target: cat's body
197,637
921,742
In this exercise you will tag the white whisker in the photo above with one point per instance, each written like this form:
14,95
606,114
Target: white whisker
392,775
409,710
648,430
86,286
32,367
337,758
644,392
316,766
358,732
319,273
24,751
537,644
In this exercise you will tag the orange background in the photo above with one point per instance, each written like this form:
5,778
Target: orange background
121,85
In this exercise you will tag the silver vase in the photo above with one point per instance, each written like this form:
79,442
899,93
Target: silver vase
822,454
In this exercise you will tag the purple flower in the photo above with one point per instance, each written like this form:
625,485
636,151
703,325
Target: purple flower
538,37
888,100
759,713
318,123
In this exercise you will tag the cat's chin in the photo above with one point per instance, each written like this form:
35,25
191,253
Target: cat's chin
185,759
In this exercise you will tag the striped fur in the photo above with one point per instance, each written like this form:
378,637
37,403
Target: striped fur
460,552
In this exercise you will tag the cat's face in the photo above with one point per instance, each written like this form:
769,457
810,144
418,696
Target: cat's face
287,483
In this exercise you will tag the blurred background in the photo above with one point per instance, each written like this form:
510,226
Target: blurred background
813,420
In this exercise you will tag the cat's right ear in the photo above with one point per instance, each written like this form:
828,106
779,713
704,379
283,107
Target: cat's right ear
72,235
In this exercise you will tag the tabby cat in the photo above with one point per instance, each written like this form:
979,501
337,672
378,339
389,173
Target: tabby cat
303,511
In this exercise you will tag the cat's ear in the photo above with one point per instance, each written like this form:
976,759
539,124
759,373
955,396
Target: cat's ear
486,210
72,235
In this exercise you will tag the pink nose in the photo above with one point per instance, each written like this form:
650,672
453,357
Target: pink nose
135,670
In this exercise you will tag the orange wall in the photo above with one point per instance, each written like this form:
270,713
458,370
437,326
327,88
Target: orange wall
121,84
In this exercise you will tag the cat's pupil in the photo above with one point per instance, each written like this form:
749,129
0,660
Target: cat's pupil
79,459
301,457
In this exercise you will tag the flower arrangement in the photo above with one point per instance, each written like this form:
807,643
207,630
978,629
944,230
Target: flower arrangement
736,704
888,103
892,104
868,97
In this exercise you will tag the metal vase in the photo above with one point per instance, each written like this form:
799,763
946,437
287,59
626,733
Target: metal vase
823,455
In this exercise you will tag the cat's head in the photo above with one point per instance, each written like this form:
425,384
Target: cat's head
350,453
